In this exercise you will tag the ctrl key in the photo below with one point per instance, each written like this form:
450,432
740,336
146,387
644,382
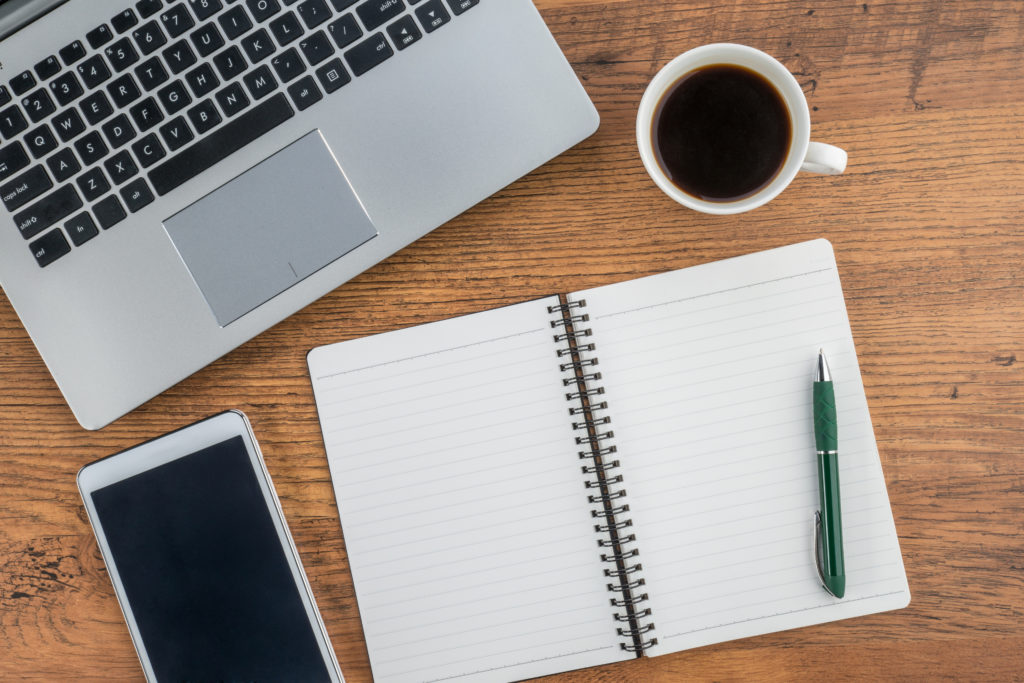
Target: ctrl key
49,247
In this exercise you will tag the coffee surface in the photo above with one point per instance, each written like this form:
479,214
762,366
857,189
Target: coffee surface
721,132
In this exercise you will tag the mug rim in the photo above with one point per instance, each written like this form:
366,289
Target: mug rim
747,57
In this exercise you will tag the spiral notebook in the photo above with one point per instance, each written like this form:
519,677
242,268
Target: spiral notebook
612,473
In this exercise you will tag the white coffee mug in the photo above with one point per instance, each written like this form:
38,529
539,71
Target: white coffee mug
803,154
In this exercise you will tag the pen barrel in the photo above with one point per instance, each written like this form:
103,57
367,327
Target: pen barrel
833,564
826,431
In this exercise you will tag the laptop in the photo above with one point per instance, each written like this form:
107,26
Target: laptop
176,176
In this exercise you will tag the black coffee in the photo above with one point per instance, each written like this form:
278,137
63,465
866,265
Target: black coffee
721,132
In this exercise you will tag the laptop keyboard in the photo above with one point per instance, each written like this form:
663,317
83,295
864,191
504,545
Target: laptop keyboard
165,90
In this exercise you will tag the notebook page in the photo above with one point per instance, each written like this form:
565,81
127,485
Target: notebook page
708,374
472,547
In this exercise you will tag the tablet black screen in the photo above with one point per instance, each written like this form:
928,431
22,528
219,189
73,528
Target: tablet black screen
205,574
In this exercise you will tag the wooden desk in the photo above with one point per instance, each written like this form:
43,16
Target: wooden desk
928,227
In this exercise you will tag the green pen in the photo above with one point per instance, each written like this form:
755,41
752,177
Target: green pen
828,541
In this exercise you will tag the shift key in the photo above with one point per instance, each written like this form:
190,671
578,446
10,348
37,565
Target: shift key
48,211
26,187
375,12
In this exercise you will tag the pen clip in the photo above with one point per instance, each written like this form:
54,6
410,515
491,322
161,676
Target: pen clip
818,563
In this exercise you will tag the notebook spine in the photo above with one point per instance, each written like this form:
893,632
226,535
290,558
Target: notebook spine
605,487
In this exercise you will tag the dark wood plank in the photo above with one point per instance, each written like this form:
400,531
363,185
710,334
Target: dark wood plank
927,96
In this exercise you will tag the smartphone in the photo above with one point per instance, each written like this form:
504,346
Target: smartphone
201,559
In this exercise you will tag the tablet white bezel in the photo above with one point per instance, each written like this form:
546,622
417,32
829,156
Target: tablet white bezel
178,444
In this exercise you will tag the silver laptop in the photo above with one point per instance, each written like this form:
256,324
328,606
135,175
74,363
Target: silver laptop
178,175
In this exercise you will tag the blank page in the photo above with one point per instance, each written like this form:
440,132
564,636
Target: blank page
708,374
463,505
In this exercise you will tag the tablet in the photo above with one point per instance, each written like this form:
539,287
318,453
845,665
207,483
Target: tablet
201,559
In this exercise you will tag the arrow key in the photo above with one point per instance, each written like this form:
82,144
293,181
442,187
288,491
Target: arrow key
404,32
433,15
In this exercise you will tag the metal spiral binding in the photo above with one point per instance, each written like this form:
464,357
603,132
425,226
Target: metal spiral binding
605,486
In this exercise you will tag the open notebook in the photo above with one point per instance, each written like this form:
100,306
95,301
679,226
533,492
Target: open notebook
586,479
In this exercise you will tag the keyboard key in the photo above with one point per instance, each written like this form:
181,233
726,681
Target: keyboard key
176,133
263,9
368,54
93,184
26,187
314,12
235,22
148,8
124,21
137,195
202,80
120,167
433,15
333,75
179,57
124,91
258,46
288,65
63,165
232,99
118,131
12,159
69,124
72,53
205,9
149,37
177,20
220,144
342,4
39,105
96,107
121,54
316,47
148,150
41,141
49,248
146,114
12,122
229,63
151,73
305,93
5,95
99,36
23,82
204,116
286,28
47,211
375,13
260,82
460,6
81,228
404,32
174,97
48,68
93,71
207,39
109,212
91,148
66,88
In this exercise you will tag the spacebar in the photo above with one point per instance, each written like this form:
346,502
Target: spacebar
221,144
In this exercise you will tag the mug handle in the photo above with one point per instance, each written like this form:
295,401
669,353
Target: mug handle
822,158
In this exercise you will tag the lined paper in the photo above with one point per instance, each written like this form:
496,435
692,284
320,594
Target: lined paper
707,373
471,543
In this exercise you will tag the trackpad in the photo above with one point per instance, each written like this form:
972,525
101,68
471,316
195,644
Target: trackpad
269,228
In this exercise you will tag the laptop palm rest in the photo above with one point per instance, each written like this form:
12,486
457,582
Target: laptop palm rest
269,228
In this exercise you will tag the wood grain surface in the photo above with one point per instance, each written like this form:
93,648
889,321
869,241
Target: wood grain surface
927,96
